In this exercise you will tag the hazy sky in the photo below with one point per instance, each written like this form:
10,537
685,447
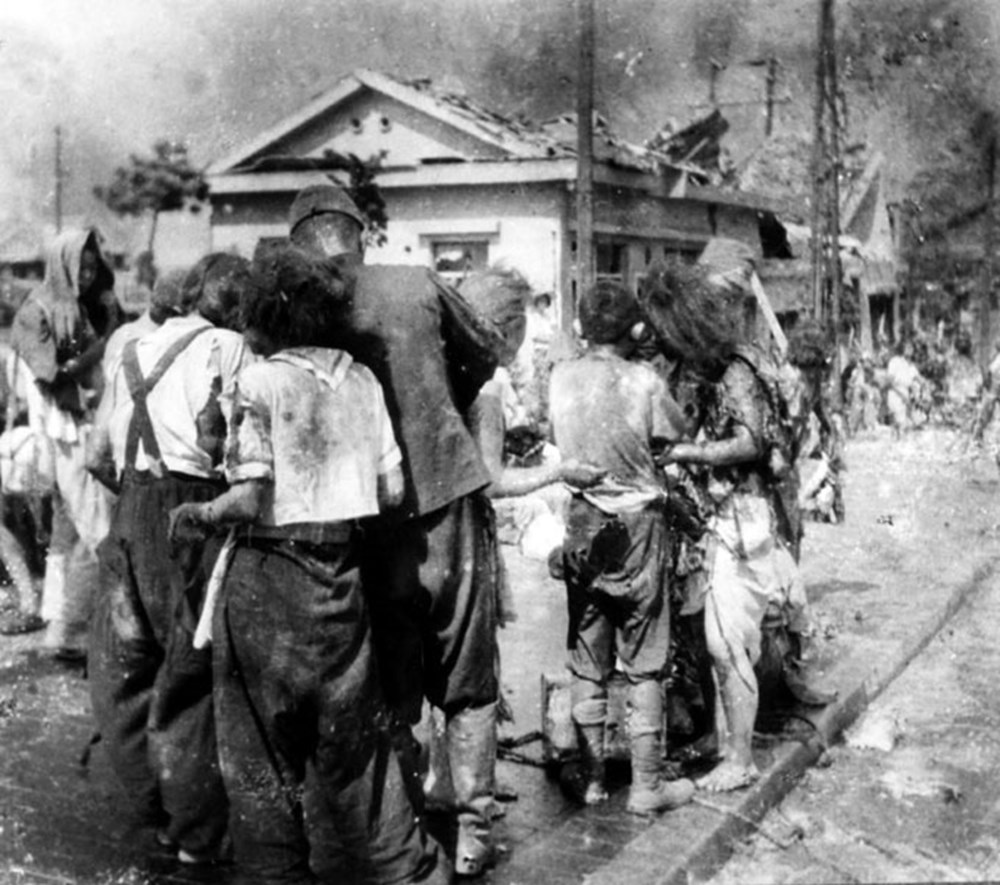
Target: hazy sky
119,74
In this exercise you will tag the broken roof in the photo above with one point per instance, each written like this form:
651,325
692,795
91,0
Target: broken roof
700,142
516,137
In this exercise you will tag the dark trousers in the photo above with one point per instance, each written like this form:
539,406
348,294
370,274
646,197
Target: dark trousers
431,584
616,589
301,724
151,690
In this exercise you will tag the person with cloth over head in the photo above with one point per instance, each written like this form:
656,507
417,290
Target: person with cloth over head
59,333
168,413
434,633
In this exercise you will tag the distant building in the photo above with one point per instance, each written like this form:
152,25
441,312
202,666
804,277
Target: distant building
22,255
466,187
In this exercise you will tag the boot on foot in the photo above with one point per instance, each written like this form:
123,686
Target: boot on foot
667,795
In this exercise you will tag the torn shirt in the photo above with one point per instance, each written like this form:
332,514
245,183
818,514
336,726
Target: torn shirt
608,411
315,424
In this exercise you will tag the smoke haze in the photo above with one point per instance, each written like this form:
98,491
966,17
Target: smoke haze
118,74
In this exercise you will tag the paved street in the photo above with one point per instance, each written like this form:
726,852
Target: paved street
912,794
921,523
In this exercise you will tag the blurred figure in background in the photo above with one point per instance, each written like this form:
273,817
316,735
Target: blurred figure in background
902,387
60,332
164,302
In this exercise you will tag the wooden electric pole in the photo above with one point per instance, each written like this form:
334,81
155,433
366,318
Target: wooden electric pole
989,237
769,83
585,164
59,180
826,163
834,273
716,67
819,170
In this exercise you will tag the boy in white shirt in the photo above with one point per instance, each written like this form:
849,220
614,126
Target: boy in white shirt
311,454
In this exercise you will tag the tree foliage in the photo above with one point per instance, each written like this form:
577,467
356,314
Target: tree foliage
361,186
163,182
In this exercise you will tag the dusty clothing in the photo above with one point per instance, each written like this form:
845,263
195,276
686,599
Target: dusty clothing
431,354
615,570
433,618
120,337
54,325
739,400
189,405
319,418
297,690
151,690
750,574
610,412
296,693
606,411
81,516
749,568
430,582
488,419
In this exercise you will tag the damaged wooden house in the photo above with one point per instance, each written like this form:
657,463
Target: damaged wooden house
465,187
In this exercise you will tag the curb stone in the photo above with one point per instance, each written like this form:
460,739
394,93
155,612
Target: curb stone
718,832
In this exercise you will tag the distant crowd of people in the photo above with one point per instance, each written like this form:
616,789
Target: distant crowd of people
918,382
263,514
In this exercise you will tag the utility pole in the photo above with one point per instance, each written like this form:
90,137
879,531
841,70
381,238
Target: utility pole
826,163
819,170
833,194
770,82
59,180
989,236
585,164
716,67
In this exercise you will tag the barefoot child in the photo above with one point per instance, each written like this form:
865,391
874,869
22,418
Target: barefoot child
750,568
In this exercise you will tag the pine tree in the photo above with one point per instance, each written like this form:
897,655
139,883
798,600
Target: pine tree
163,182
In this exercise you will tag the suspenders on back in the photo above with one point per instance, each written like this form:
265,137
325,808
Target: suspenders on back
141,425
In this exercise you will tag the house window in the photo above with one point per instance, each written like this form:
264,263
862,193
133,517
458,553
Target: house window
454,260
685,253
610,261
